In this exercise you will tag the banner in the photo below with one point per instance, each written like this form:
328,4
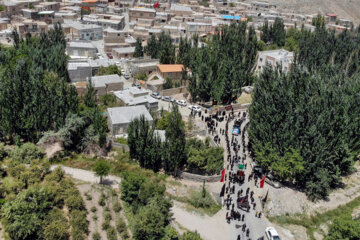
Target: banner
222,175
262,182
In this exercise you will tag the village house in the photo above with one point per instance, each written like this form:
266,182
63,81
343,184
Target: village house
107,84
81,49
135,96
172,71
141,13
76,30
275,57
119,118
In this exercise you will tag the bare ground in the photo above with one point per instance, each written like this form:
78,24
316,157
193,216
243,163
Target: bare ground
348,9
288,201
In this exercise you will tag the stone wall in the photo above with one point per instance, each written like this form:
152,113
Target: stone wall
200,178
173,91
234,106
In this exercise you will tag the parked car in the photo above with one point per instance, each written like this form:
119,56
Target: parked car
181,102
166,98
126,76
272,181
156,95
110,56
195,108
272,234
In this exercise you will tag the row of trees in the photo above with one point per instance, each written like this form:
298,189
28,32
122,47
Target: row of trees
34,94
146,146
223,66
274,34
37,101
176,152
161,48
304,126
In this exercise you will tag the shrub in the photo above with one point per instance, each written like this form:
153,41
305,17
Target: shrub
120,225
124,235
95,217
78,221
102,200
190,236
111,233
201,200
105,225
93,209
117,206
88,196
96,236
56,230
26,153
75,202
3,152
107,216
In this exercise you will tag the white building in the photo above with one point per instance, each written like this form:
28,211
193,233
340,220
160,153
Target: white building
135,96
274,58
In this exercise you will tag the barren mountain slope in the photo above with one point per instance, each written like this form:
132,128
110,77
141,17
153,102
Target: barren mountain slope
348,9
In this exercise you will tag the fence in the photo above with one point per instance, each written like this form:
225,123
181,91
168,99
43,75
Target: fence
173,91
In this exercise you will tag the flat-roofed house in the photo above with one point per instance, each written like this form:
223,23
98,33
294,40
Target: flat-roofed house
275,57
135,96
141,13
126,52
81,49
119,118
107,83
172,71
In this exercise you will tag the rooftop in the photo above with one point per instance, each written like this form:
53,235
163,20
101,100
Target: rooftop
179,7
135,96
170,67
141,9
81,44
124,50
126,114
101,81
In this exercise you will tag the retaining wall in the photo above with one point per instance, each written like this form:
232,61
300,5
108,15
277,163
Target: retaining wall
200,178
173,91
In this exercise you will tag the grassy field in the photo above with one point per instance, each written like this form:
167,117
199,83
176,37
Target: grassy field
312,224
244,98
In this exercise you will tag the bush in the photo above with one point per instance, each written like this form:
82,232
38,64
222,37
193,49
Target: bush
117,206
124,235
122,140
3,152
93,209
102,200
190,236
111,233
95,217
26,153
201,200
107,216
78,222
56,230
96,236
120,225
105,225
75,202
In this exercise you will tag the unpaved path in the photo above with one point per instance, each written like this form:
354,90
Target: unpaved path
89,176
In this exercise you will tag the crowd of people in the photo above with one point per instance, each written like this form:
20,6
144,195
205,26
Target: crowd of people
236,165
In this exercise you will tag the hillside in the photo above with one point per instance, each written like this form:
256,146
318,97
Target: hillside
348,9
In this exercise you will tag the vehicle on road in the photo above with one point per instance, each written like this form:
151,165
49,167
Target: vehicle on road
126,76
272,234
195,108
156,95
181,102
110,56
136,85
236,131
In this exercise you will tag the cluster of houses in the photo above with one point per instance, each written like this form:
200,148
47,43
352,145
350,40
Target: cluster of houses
102,33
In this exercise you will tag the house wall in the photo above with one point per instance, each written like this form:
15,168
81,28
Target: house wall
135,15
80,74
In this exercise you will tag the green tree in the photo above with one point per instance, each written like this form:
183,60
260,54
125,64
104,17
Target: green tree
190,236
26,153
174,149
112,69
102,169
168,83
89,97
139,51
152,47
344,228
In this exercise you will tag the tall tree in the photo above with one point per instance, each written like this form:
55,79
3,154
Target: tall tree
139,51
174,149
